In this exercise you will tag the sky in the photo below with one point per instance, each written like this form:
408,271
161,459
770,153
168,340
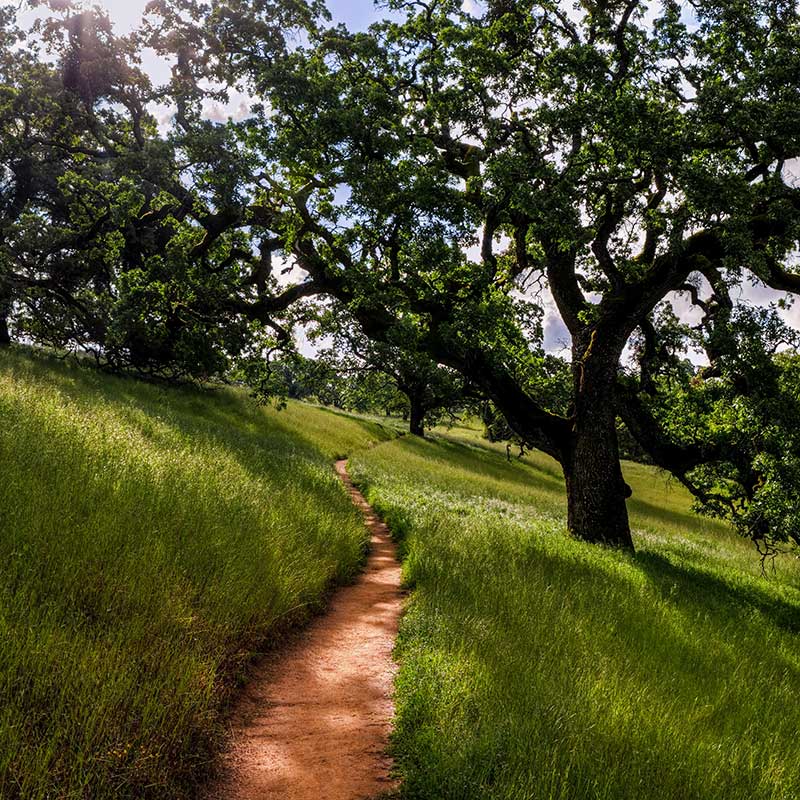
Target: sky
354,13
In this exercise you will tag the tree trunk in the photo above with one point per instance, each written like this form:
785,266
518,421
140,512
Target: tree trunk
5,310
596,494
416,424
596,490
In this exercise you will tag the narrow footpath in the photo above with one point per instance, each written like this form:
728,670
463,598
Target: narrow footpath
314,723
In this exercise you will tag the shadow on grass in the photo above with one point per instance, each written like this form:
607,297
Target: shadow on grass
485,462
602,681
711,592
676,518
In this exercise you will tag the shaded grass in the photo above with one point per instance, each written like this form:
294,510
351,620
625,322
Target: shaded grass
534,667
150,541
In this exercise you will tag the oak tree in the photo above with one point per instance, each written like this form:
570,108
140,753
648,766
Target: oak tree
446,161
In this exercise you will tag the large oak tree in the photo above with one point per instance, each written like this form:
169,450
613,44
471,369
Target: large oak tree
438,166
445,172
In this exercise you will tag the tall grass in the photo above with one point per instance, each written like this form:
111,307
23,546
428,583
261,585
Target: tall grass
534,667
150,541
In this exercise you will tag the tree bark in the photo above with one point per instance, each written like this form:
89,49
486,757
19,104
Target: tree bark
5,310
596,490
416,424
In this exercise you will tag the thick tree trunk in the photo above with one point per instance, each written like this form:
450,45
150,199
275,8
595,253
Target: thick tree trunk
596,490
416,425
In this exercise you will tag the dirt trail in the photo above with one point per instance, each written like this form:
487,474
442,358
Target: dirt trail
314,722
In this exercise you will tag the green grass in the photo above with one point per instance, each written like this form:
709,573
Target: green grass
150,541
533,666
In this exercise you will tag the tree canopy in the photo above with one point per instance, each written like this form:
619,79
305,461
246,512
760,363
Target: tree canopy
454,172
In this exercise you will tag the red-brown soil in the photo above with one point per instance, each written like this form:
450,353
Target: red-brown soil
314,721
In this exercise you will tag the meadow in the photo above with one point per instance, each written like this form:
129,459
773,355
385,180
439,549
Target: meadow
535,667
151,541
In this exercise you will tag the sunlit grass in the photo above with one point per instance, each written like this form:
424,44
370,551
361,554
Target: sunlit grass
536,667
150,541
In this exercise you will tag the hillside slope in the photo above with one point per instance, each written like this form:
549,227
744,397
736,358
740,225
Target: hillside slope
535,667
150,540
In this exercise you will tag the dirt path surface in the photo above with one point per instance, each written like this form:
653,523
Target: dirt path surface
314,723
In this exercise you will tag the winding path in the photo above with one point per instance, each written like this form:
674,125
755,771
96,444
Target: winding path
314,722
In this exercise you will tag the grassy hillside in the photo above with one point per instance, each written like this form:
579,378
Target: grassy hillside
534,667
150,540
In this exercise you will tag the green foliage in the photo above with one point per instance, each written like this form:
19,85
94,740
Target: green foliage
436,175
387,375
151,541
743,410
533,666
101,250
438,166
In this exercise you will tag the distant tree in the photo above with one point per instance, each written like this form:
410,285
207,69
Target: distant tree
555,388
432,392
373,392
272,375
